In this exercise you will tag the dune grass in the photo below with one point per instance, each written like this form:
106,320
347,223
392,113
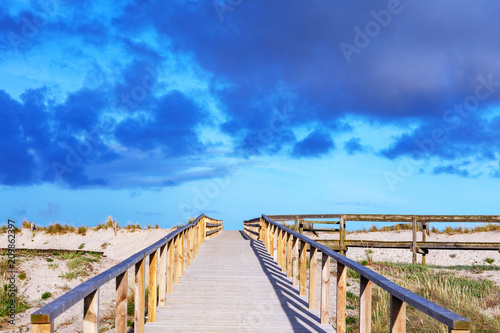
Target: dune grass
469,297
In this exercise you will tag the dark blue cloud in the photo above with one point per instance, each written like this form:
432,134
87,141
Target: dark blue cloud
170,125
450,169
18,165
316,144
256,57
354,146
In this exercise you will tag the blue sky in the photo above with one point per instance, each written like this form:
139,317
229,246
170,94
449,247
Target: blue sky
154,111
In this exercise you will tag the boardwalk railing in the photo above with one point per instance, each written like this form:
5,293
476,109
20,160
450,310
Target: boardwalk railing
172,253
288,248
303,223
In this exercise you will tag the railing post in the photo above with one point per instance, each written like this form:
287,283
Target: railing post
398,315
139,297
296,223
170,266
342,235
325,288
189,246
283,251
365,305
121,303
278,245
176,254
261,231
153,258
289,246
43,328
162,280
91,312
276,237
414,240
269,237
303,267
204,227
295,259
424,230
183,252
341,297
313,261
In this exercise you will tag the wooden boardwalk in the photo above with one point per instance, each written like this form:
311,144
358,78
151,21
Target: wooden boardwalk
233,285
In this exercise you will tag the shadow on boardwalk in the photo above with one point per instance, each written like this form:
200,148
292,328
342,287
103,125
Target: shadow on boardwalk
295,306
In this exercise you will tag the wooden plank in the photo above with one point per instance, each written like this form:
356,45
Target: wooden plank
153,261
177,263
295,260
341,297
320,230
424,232
289,250
365,305
246,293
91,312
320,222
423,218
303,216
489,246
139,297
121,303
303,268
283,251
342,235
325,288
170,266
414,240
162,275
43,328
313,266
398,315
182,252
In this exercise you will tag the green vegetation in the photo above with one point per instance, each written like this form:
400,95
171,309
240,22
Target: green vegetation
133,226
79,264
57,229
82,230
110,223
104,245
489,261
22,276
6,297
81,246
46,295
468,297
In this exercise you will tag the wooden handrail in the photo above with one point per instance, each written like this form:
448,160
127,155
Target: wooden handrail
391,217
181,246
272,234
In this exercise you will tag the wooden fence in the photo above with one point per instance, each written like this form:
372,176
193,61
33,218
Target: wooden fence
288,248
421,223
172,253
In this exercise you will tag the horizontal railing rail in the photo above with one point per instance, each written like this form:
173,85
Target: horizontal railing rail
416,246
172,253
288,248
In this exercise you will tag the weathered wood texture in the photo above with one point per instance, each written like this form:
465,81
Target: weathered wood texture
233,285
